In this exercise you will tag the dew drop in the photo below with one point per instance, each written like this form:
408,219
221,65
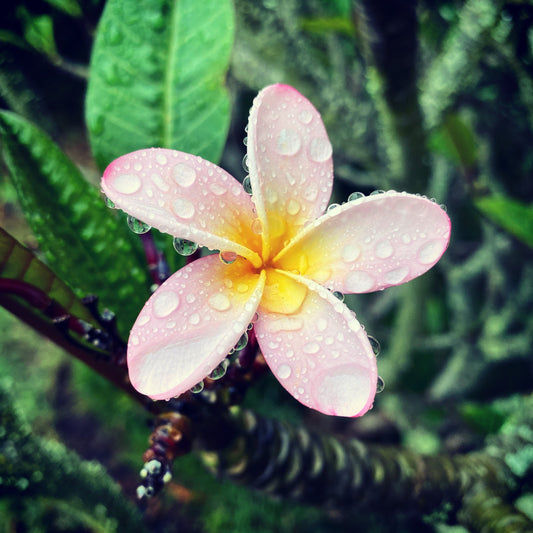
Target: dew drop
305,116
199,387
247,184
311,348
245,141
183,208
137,226
126,183
396,276
242,342
220,370
288,142
194,319
242,287
293,207
406,238
165,302
380,386
257,227
339,295
359,281
161,159
184,175
217,189
332,208
376,348
284,371
109,203
184,247
228,257
320,149
430,252
376,192
350,253
219,302
355,196
384,249
245,163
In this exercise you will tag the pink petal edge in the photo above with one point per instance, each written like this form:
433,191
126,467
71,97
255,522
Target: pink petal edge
289,157
321,355
185,196
372,243
189,325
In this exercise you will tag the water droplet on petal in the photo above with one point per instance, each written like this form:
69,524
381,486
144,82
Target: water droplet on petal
376,348
219,302
305,116
257,227
384,249
220,370
137,226
126,183
184,175
183,208
350,253
355,196
293,207
320,149
380,385
283,371
288,142
194,319
228,257
359,281
396,276
242,342
430,252
184,247
199,387
376,192
109,203
311,348
161,159
217,189
247,184
338,295
164,303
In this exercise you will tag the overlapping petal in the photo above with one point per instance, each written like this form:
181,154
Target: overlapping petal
190,324
185,196
320,354
289,157
370,244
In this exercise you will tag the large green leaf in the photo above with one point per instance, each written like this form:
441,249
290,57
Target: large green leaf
157,77
513,216
82,240
19,263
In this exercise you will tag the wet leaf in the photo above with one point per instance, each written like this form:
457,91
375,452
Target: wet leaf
157,77
513,216
19,263
82,241
455,139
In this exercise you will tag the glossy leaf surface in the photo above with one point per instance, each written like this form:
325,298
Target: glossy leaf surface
157,77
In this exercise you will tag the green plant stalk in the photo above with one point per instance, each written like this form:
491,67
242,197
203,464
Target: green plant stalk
389,37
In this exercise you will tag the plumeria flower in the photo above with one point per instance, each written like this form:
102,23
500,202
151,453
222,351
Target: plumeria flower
281,256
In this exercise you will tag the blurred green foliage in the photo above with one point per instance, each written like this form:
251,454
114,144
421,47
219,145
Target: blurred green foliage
163,72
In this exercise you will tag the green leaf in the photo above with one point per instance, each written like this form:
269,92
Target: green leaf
19,263
70,7
455,139
157,77
85,245
513,216
39,31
